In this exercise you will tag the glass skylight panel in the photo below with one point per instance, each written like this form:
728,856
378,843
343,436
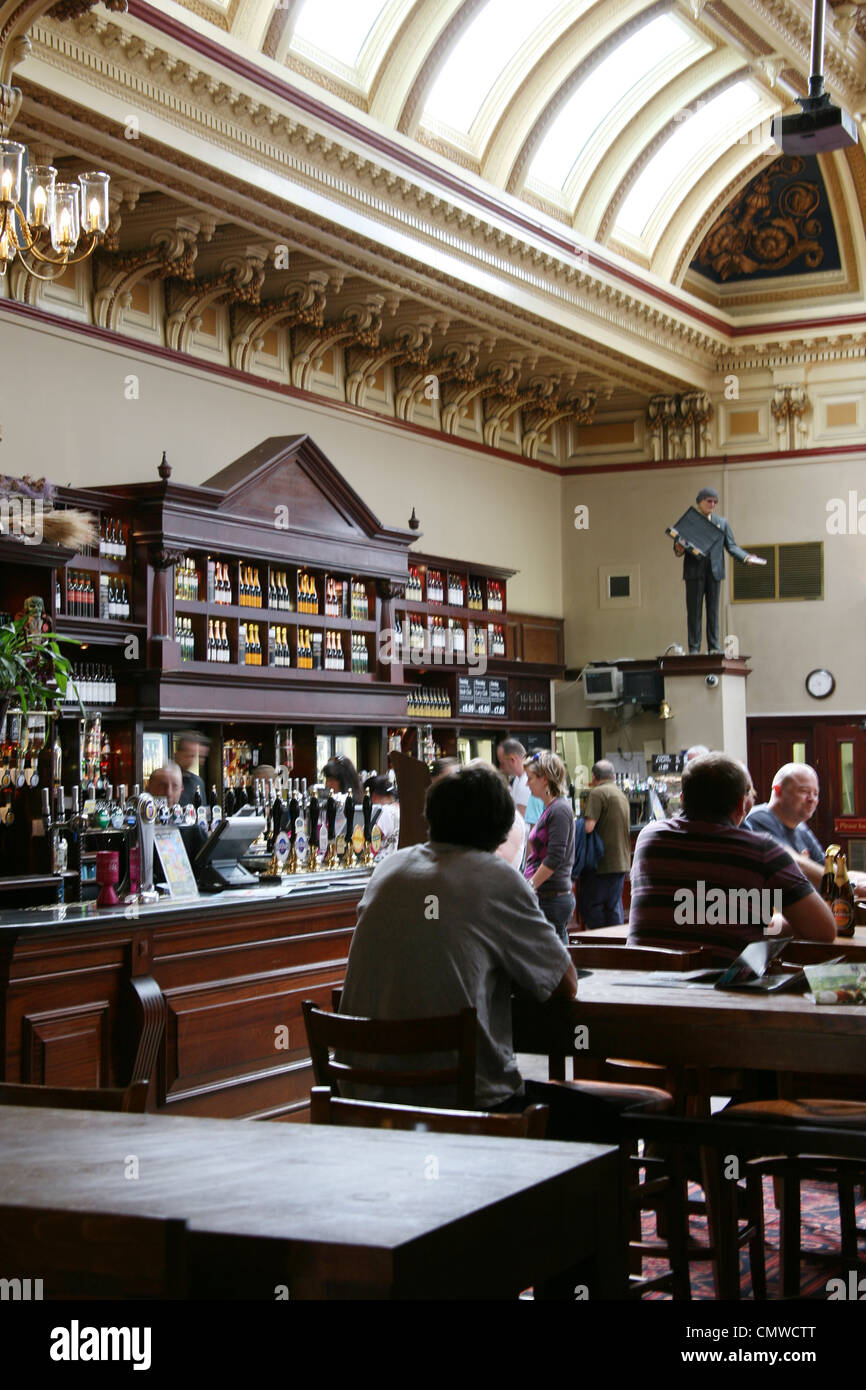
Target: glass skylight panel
700,137
601,92
338,28
480,55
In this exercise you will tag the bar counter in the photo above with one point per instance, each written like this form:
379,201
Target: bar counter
203,995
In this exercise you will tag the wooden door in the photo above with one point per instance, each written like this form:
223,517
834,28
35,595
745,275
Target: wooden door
843,790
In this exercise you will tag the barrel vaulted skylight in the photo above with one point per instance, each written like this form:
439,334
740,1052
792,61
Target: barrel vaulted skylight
637,68
582,107
338,28
702,135
483,51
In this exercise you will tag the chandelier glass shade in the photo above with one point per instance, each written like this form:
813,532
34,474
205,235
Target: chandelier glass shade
59,223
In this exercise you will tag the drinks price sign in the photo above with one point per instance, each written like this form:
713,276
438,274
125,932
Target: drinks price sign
482,697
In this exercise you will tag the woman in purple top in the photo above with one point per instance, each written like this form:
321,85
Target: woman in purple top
550,849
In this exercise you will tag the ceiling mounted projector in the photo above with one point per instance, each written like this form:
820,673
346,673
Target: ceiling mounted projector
821,126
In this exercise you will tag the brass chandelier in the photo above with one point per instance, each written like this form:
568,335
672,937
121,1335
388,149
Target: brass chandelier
59,223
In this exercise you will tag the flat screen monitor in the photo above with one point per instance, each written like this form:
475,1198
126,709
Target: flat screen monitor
217,861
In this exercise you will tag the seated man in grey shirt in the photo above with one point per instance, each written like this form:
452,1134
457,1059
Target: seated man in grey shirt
792,803
448,925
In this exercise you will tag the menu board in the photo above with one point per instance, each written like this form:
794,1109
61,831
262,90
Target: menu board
482,696
671,763
175,863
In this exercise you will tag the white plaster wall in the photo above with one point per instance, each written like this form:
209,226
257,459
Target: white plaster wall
766,502
65,413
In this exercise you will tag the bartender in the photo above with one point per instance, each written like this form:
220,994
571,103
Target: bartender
189,748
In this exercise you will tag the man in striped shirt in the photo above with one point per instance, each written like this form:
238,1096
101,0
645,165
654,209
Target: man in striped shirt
700,879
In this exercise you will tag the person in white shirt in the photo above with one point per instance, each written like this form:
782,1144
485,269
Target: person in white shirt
510,754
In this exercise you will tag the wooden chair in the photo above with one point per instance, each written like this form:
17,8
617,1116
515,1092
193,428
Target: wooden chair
132,1099
327,1109
748,1138
845,1173
378,1038
93,1255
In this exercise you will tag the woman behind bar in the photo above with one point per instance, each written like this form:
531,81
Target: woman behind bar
340,775
550,848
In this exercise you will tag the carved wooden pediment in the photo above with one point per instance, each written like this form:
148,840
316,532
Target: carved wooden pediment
292,472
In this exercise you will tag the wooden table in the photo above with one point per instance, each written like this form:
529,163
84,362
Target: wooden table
332,1212
851,947
692,1026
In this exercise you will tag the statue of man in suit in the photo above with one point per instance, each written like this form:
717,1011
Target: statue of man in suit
704,574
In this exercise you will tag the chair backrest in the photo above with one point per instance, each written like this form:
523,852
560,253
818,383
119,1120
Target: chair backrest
327,1109
132,1099
609,956
408,1037
78,1254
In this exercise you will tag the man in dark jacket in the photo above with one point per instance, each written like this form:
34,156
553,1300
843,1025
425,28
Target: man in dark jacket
704,574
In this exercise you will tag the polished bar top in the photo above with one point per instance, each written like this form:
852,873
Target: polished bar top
327,883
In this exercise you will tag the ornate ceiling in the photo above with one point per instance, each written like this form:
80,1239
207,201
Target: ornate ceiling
551,206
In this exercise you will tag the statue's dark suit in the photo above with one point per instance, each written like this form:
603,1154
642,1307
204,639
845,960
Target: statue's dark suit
703,576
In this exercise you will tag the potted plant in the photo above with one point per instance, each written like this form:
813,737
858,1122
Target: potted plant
34,673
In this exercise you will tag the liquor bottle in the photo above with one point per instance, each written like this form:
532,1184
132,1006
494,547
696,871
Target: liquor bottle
842,906
257,589
210,640
224,643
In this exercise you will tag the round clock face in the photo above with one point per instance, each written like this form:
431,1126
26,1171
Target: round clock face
820,684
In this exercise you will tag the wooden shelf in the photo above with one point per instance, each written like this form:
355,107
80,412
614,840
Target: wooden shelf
185,607
235,671
444,610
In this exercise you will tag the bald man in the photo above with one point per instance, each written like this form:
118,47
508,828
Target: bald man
793,801
166,782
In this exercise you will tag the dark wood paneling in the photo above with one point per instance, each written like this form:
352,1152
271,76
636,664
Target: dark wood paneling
79,1002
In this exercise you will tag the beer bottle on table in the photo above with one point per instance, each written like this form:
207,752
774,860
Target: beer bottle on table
828,882
842,906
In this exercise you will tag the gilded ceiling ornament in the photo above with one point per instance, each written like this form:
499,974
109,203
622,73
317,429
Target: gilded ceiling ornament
765,230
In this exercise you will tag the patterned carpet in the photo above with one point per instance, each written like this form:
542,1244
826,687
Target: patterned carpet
819,1230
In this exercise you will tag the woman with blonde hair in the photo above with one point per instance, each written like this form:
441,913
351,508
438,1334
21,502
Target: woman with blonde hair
550,848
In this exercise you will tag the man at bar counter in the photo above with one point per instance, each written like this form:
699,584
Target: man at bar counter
191,747
680,865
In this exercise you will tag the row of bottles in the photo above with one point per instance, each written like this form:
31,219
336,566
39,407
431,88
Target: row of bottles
455,591
435,587
836,890
309,650
475,596
112,541
414,589
360,655
186,580
94,684
279,597
250,644
495,599
113,599
183,635
80,594
249,588
428,704
308,597
219,584
360,609
217,641
279,651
